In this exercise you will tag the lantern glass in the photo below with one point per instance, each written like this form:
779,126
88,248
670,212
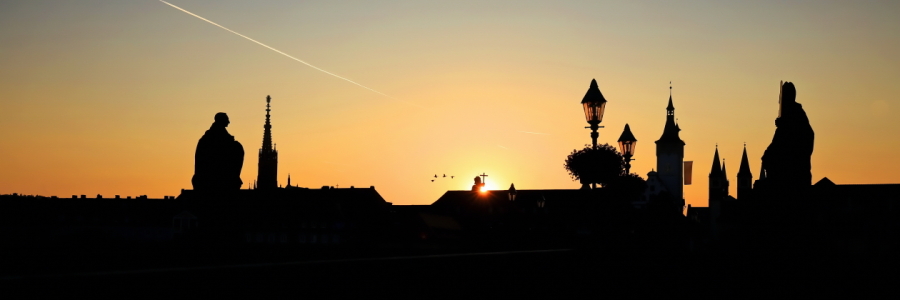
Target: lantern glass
627,147
593,111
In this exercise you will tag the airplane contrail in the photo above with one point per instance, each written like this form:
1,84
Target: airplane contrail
282,53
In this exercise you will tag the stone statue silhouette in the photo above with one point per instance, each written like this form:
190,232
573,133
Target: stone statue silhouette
787,159
218,160
478,184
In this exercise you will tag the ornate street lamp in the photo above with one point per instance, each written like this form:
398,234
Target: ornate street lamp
594,105
627,142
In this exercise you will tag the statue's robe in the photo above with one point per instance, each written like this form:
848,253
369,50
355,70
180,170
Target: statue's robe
218,161
787,159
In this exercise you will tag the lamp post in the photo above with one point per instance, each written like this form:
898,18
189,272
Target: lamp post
594,104
627,143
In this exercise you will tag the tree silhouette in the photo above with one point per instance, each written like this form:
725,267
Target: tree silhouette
628,186
630,182
601,164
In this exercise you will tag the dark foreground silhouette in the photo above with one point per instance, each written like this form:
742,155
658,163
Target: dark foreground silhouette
786,162
782,237
219,159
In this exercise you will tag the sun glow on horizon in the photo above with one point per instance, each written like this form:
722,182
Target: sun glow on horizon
509,108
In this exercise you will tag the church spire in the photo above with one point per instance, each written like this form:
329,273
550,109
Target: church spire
724,172
670,132
716,170
267,133
671,108
268,156
670,157
744,169
744,177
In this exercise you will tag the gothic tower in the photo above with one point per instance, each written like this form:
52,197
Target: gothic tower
670,156
267,176
744,178
718,192
718,180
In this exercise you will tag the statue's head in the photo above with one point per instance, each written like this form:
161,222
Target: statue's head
788,93
222,119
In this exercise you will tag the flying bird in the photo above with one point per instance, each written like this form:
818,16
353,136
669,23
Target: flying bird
445,175
432,180
435,175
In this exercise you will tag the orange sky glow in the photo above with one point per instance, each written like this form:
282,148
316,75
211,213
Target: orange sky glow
110,97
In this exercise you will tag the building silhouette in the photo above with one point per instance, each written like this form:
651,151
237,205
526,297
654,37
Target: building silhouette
267,176
670,157
718,193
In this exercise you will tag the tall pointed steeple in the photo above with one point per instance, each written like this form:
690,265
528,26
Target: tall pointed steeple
744,177
716,166
724,172
268,156
670,110
267,129
670,132
745,164
718,182
726,189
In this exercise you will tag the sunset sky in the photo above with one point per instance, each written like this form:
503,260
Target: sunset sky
110,97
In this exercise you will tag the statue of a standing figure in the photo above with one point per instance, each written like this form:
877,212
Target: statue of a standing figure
218,160
787,160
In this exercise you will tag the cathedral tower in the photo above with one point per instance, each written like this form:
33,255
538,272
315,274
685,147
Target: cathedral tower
744,178
718,180
718,192
267,176
670,156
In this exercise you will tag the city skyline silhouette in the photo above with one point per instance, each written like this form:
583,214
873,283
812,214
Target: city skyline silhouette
502,148
478,108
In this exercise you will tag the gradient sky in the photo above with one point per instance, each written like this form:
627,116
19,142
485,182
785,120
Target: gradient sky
110,97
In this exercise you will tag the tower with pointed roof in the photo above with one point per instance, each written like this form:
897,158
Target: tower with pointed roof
718,192
744,177
670,156
267,176
718,180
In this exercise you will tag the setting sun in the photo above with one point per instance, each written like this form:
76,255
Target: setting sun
509,107
430,145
